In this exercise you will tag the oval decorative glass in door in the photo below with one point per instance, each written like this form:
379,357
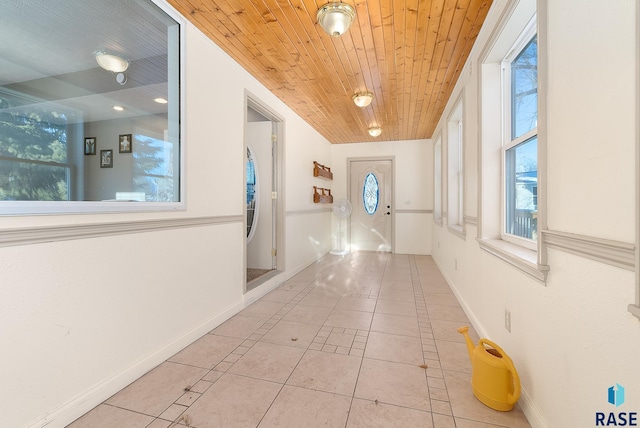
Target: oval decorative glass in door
370,193
252,195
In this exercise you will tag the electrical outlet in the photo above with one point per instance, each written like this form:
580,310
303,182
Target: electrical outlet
507,320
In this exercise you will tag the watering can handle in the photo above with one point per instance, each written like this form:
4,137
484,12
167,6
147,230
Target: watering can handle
512,398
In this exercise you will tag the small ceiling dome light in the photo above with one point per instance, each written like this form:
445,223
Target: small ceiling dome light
160,100
121,78
336,18
111,62
375,131
118,108
362,99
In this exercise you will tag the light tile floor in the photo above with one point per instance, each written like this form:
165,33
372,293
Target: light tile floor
365,340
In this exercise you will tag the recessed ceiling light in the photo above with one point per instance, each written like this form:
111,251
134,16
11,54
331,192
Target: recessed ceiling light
375,131
160,100
362,99
118,108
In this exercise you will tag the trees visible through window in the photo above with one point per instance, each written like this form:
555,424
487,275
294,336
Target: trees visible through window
520,151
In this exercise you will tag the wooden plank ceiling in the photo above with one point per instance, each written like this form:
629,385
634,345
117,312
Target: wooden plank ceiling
408,53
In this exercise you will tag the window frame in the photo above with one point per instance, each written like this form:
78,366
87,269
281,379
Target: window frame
509,142
634,308
512,22
437,180
455,168
30,208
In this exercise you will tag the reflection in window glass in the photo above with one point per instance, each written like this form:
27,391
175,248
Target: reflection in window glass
153,169
60,107
33,153
370,193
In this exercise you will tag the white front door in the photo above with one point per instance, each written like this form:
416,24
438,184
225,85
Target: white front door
370,194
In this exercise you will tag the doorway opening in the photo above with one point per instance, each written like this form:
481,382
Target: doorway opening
263,214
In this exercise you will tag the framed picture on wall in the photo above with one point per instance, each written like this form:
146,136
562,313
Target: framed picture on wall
90,146
106,158
125,143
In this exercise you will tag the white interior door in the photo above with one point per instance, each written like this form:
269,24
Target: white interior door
370,194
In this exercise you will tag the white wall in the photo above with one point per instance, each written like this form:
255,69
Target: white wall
308,234
80,319
413,181
572,338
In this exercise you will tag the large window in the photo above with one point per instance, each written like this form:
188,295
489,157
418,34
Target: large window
520,148
512,148
89,107
437,181
455,182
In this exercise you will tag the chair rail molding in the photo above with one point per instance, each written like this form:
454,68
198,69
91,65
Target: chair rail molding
31,235
615,253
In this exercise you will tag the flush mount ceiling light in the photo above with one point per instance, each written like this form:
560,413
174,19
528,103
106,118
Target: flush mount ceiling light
160,100
336,18
375,131
362,99
111,62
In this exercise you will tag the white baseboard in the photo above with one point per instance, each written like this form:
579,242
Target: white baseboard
99,393
102,391
526,403
531,411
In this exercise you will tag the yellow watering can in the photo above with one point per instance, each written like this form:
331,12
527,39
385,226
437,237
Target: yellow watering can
494,378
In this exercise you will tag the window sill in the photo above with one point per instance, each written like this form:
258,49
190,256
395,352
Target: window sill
457,230
521,258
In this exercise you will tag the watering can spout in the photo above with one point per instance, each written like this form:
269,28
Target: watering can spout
470,346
